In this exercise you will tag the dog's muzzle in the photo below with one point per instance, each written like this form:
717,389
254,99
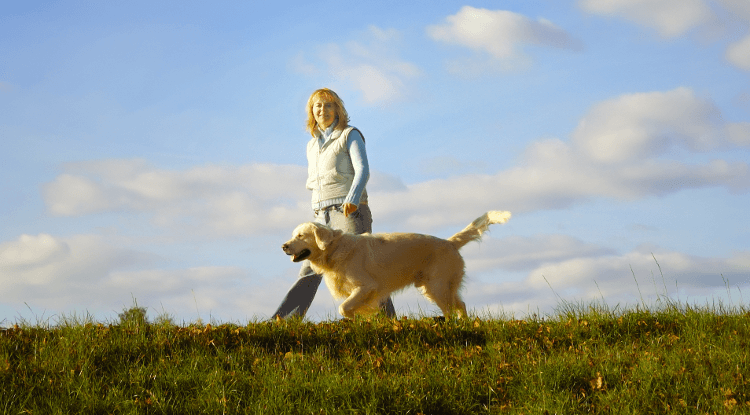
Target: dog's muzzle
296,257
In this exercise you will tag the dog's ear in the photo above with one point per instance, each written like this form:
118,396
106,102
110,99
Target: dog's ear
324,236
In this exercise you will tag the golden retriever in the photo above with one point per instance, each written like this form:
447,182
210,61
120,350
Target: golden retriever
367,268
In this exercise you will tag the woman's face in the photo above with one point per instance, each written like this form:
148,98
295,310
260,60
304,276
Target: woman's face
324,112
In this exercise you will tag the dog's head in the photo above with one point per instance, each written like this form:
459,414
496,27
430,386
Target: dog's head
309,241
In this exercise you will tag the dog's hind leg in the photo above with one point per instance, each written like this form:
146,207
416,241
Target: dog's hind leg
459,307
445,295
361,300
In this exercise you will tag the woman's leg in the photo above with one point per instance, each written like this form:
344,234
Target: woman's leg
300,296
386,307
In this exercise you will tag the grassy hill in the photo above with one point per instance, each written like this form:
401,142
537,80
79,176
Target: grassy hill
585,359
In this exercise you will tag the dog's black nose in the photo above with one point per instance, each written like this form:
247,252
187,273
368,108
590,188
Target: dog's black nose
284,247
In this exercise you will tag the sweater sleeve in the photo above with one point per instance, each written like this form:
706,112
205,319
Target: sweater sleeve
356,146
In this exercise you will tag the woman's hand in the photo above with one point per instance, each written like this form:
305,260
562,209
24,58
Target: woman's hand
349,208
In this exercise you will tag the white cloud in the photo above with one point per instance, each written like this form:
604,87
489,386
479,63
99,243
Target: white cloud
645,274
213,200
737,9
75,195
89,274
375,84
371,66
621,150
547,183
641,126
500,34
226,293
31,251
384,182
60,269
670,18
739,133
619,277
673,18
522,253
448,165
738,53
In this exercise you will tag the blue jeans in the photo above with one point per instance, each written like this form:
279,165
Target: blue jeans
301,295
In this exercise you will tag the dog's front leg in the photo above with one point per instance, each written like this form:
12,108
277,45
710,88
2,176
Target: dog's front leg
359,300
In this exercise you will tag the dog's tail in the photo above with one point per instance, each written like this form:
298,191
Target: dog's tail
474,231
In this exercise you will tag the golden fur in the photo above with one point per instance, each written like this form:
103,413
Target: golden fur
367,268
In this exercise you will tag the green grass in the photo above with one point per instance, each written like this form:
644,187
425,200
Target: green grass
583,359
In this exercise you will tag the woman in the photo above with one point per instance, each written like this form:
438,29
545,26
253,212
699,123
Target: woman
337,171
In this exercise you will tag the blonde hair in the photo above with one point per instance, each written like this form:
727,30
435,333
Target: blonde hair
328,95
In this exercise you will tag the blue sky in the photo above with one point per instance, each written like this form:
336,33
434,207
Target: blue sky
155,150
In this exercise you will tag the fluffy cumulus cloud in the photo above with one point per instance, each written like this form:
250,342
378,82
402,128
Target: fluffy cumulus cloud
614,271
669,17
625,148
559,269
739,133
207,293
57,270
643,274
522,253
90,274
210,200
371,66
738,53
499,34
673,18
645,125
